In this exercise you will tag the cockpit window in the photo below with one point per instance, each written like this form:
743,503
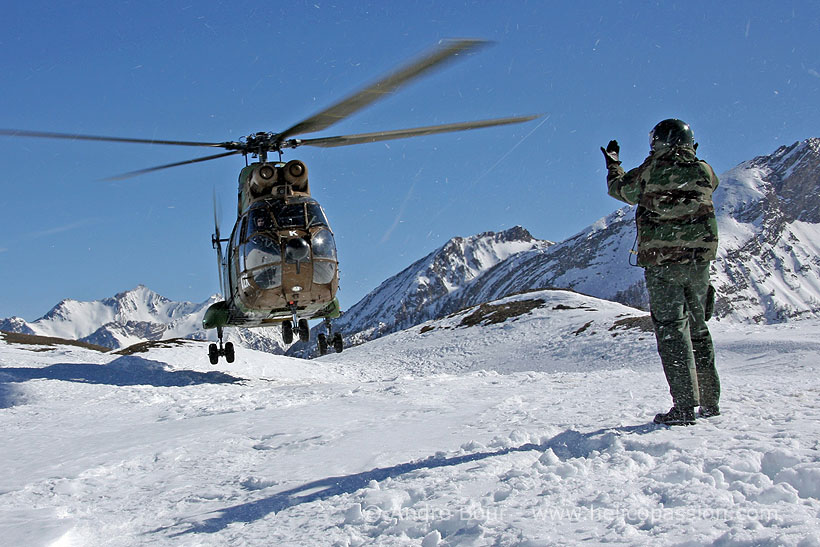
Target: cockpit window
290,216
263,258
260,250
323,245
315,214
260,221
270,216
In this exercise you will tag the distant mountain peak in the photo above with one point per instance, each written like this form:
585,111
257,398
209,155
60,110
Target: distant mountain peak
795,178
133,316
788,156
431,286
516,233
140,290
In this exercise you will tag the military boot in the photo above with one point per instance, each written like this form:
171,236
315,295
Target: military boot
677,416
708,411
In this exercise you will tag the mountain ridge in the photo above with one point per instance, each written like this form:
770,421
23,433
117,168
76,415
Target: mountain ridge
425,289
134,316
767,270
768,266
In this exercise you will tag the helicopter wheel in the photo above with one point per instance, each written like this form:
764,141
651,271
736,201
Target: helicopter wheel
287,332
338,343
322,343
230,355
213,354
304,330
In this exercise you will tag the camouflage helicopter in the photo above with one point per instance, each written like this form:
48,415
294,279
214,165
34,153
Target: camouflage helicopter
279,264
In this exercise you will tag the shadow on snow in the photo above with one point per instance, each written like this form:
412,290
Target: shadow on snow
10,395
565,445
125,371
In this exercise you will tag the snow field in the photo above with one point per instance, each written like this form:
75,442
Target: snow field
530,431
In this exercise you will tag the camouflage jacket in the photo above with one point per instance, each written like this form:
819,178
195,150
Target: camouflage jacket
675,216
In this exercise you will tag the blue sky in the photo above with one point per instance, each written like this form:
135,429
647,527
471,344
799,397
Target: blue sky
745,75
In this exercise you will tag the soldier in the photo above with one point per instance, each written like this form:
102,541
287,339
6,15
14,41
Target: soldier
677,240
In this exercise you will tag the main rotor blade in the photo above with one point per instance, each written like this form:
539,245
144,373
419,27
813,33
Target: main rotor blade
345,140
131,174
390,83
76,137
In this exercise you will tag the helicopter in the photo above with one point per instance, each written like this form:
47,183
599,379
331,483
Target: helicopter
279,264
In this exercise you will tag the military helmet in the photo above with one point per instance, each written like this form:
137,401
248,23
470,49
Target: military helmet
671,132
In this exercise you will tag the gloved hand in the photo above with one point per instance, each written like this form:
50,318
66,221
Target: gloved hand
611,153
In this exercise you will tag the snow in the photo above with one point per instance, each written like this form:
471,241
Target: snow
527,431
741,187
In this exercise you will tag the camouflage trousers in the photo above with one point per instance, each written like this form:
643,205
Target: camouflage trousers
680,301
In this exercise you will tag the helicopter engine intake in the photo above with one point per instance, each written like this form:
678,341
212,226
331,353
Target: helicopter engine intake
262,179
295,173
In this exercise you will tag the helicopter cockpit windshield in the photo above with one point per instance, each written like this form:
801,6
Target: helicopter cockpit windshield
271,216
315,215
263,247
289,216
301,214
263,255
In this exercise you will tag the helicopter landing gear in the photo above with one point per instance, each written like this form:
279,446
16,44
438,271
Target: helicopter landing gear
226,351
335,340
287,332
302,330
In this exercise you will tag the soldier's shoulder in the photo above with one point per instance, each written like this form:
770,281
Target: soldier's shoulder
706,165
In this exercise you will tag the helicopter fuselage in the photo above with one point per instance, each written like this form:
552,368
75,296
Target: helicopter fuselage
280,260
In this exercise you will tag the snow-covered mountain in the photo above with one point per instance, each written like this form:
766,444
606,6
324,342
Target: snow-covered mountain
768,268
135,316
594,261
430,287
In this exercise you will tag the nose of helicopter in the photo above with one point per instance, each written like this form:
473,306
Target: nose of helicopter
297,250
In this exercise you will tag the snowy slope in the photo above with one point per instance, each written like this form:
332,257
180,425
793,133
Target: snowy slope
522,422
551,330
